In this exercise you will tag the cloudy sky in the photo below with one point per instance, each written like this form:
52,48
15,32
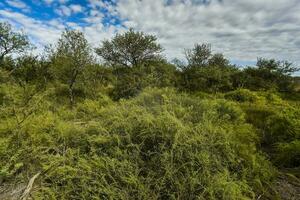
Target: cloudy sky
241,29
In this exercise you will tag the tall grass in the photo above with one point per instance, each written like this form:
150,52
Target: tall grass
159,145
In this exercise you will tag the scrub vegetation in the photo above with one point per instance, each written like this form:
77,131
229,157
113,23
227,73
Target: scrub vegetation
136,126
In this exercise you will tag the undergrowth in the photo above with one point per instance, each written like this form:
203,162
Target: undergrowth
159,145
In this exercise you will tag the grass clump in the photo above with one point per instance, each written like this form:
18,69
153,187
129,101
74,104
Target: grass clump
277,124
242,95
159,145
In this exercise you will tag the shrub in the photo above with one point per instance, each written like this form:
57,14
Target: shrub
288,154
2,96
159,145
277,122
242,95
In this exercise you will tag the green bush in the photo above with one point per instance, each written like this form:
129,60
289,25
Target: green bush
288,154
159,145
116,131
242,95
273,97
278,124
2,96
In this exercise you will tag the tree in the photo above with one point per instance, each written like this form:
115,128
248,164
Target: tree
199,55
70,57
29,69
272,65
132,80
130,49
10,41
206,71
97,79
269,74
218,60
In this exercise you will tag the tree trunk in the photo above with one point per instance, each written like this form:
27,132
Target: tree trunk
71,95
1,60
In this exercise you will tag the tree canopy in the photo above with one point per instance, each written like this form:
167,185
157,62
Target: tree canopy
130,49
199,55
10,41
71,55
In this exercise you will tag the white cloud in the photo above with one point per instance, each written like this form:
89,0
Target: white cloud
69,10
106,5
47,32
243,30
42,32
96,3
49,2
63,11
18,4
58,24
76,8
94,17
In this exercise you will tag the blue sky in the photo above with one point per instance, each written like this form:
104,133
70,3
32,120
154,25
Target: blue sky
241,29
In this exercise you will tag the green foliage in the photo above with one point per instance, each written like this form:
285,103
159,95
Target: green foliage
161,144
206,71
282,67
6,66
209,79
97,79
278,124
133,133
10,41
69,59
242,95
29,70
288,154
131,81
199,55
130,49
269,74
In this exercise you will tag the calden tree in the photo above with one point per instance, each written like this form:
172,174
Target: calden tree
71,55
206,71
130,49
10,41
199,55
132,55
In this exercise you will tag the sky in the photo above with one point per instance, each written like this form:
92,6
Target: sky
242,30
